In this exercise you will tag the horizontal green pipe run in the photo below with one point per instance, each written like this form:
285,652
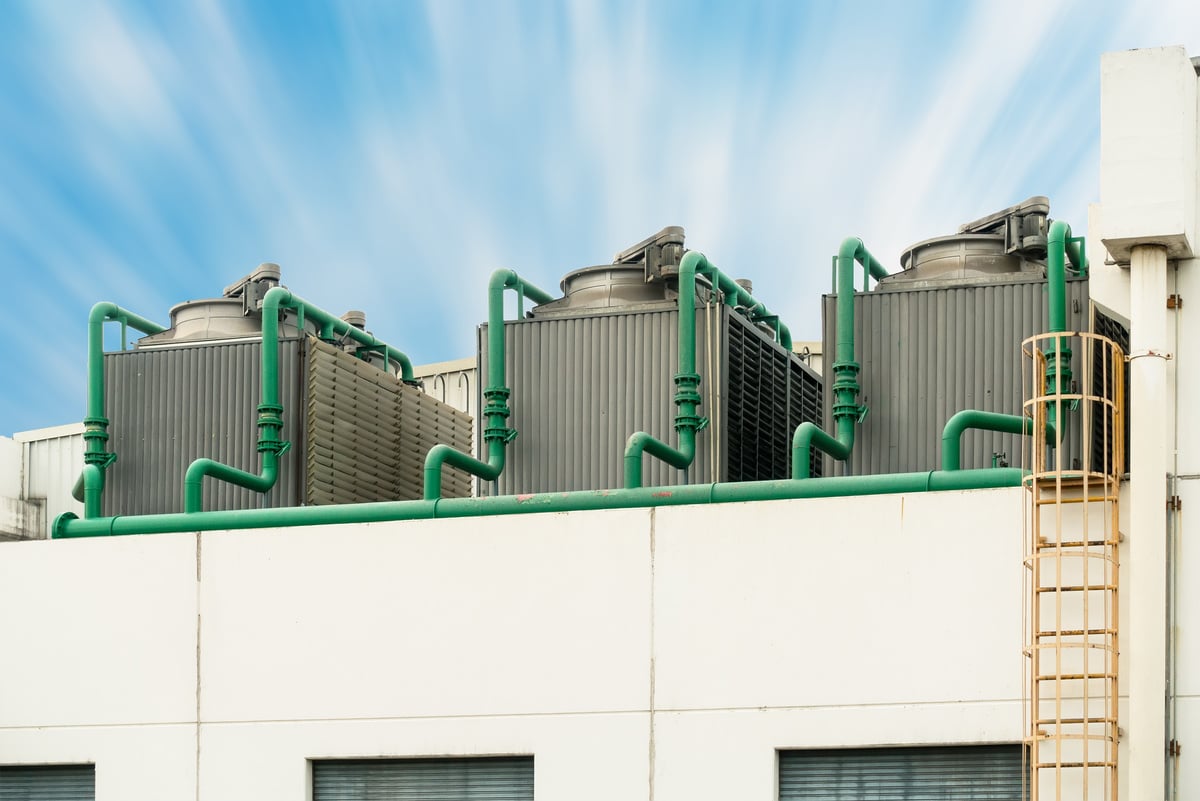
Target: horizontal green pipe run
967,419
68,526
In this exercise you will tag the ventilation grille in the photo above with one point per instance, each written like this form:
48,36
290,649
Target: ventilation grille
769,394
1106,326
807,405
369,432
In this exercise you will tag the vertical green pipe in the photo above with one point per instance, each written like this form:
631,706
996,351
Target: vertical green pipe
846,409
270,410
90,486
496,433
1060,246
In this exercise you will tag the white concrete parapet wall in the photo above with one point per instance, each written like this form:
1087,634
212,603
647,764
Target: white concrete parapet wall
682,646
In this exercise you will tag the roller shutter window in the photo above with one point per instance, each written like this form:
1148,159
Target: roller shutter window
941,773
441,779
47,782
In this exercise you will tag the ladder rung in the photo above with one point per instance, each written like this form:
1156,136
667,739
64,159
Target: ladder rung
1076,764
1089,499
1078,588
1077,543
1076,677
1075,721
1074,632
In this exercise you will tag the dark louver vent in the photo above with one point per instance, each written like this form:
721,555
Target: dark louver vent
1102,379
769,393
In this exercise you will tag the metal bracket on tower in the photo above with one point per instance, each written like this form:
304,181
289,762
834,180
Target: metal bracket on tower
659,254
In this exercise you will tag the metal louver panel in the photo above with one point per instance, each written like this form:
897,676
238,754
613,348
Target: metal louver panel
368,433
769,393
1106,326
446,779
941,773
47,783
170,406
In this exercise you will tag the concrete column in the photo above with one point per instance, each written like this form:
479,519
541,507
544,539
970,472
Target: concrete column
1144,648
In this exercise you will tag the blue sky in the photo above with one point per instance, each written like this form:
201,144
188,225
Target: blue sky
390,155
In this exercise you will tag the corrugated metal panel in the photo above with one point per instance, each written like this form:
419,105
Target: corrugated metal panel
929,353
925,773
368,433
455,383
452,779
170,406
47,782
52,459
582,385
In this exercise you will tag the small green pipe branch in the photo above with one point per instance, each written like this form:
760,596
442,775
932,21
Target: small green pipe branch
847,411
270,410
69,526
89,488
982,421
496,433
1060,246
687,380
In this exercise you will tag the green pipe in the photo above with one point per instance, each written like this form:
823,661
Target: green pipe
687,383
846,409
1060,246
69,526
496,433
89,488
270,410
687,380
983,421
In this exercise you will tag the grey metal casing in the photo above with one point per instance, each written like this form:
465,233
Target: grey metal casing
582,384
928,353
170,406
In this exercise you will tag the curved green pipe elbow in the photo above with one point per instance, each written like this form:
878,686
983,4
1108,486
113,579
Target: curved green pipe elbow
1060,246
193,481
443,455
957,425
847,411
278,298
92,481
640,442
89,488
270,410
496,432
809,434
687,381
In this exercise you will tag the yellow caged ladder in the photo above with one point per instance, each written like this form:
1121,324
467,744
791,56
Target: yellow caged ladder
1072,570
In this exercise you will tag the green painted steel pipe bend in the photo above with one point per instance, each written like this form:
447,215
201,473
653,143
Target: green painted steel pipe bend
687,380
983,421
270,410
69,526
847,412
89,488
496,433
